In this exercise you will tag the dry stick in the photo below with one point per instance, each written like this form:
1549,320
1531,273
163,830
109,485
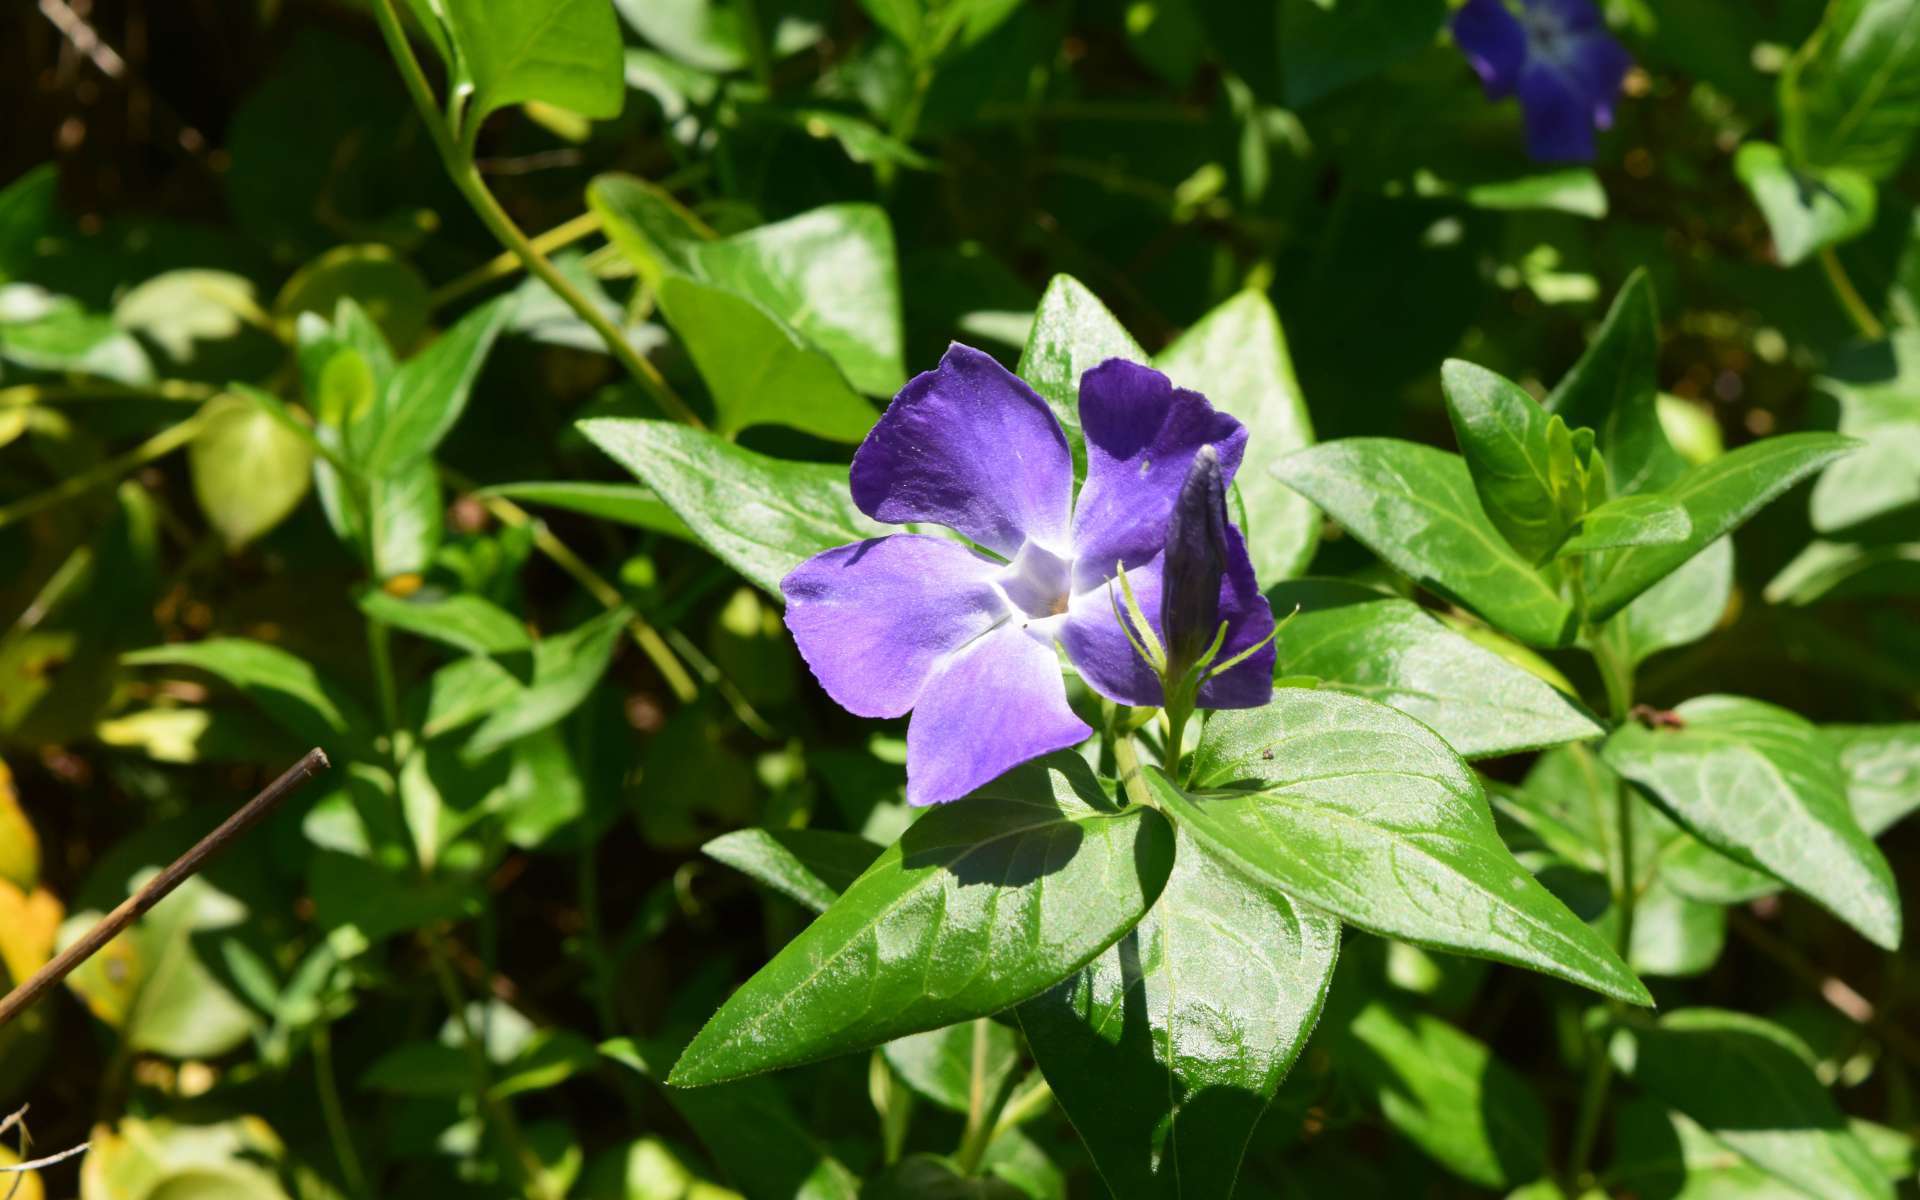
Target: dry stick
48,1161
157,888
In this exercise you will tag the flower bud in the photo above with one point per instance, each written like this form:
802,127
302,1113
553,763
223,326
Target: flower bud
1195,562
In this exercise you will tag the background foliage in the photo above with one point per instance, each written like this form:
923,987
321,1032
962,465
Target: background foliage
586,785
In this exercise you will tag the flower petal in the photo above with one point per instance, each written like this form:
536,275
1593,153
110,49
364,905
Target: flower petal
875,619
1571,16
1494,43
1600,65
969,446
1142,434
1559,119
1098,646
986,710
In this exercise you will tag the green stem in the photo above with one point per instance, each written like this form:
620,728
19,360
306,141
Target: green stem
26,395
507,262
1126,759
983,1110
458,160
334,1113
380,652
597,962
1849,296
158,446
496,1112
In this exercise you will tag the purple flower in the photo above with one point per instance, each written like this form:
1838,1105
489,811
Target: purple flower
967,640
1558,57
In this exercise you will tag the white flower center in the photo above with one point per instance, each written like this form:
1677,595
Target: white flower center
1037,584
1548,38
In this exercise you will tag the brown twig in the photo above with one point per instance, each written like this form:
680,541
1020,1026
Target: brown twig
157,888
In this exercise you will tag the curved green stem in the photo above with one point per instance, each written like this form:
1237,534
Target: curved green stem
334,1113
1127,760
158,446
458,160
1858,310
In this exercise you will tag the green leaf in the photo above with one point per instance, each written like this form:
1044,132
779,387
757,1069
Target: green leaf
425,397
1236,356
1415,507
941,1064
1165,1050
1614,391
1806,210
1325,47
809,866
1878,389
1657,1152
758,370
1851,98
290,690
929,1176
1504,438
1684,607
624,503
751,1128
1646,519
1381,647
465,622
63,336
1360,810
1882,768
651,229
1760,784
151,984
1448,1094
762,516
1826,570
249,470
1718,497
565,669
980,905
1072,333
386,288
177,310
1751,1084
830,274
562,52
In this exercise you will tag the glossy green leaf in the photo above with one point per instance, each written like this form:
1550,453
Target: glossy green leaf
1851,98
181,310
1381,647
709,34
1236,356
561,52
1072,333
651,229
1682,608
980,905
1751,1084
831,274
566,667
1165,1050
465,622
1503,436
809,866
1807,210
762,516
1846,571
758,370
424,398
1447,1093
625,503
1646,519
1718,497
288,688
1760,784
1877,386
1882,768
249,470
944,1065
63,336
1361,810
1415,507
1614,390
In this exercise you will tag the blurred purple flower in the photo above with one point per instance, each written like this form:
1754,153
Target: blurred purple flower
1558,57
967,641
